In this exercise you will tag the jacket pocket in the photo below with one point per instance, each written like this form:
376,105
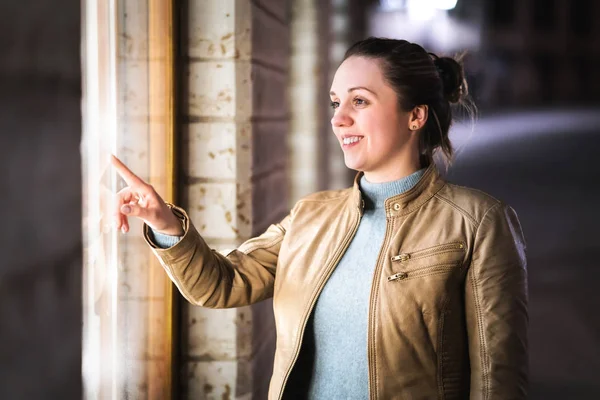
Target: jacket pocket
428,261
420,272
430,251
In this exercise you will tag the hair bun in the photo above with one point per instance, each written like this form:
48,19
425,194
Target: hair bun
453,79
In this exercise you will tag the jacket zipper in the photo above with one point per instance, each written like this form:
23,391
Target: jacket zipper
340,253
402,257
371,322
420,272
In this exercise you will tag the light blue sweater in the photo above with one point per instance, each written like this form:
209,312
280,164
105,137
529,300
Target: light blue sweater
333,360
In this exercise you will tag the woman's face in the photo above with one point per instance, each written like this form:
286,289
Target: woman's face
368,123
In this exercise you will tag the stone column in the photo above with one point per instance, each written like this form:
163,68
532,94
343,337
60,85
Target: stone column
235,119
340,21
309,99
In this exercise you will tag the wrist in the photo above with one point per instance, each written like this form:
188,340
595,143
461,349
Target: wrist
174,227
170,231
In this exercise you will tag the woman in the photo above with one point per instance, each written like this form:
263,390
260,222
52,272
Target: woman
400,287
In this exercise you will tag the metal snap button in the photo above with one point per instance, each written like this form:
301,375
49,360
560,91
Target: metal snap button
397,206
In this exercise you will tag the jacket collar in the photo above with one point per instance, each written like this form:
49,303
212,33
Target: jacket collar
407,202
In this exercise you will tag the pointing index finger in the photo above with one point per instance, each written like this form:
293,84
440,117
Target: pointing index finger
129,177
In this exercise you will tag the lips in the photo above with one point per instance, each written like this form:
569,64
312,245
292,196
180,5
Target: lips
348,140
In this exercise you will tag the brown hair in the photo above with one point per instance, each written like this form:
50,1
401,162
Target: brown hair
421,78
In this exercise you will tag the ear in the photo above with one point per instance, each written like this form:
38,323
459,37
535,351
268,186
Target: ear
418,117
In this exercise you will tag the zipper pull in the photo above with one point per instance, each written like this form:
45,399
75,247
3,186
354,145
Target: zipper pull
398,276
401,257
361,207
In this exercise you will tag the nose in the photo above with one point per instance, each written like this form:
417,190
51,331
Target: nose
341,118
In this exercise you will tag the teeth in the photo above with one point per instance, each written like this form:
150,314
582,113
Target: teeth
351,140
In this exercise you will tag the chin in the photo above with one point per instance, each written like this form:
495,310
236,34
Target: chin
354,165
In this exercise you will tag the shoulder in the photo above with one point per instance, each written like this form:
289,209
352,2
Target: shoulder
326,196
322,200
472,203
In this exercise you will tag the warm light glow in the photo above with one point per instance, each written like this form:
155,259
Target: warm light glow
425,10
445,4
420,10
100,367
426,23
127,111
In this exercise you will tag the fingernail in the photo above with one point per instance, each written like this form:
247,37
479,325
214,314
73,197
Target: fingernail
123,230
126,209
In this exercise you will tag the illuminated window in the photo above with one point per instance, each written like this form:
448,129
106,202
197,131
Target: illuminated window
127,111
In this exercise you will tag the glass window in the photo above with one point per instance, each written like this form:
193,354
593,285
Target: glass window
127,111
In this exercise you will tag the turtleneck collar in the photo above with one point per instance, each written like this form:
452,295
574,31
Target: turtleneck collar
375,194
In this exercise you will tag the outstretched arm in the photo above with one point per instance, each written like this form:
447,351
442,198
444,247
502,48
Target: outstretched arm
207,278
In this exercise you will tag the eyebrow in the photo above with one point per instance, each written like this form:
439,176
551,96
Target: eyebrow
332,93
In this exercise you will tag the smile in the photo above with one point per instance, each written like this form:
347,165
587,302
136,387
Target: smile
351,140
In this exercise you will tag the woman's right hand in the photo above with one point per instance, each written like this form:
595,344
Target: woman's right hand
139,199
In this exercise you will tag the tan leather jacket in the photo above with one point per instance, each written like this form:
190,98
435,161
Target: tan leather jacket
448,308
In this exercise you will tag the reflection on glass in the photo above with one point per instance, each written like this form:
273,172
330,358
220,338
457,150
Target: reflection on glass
128,111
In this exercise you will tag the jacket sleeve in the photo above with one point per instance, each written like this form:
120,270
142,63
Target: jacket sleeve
496,308
207,278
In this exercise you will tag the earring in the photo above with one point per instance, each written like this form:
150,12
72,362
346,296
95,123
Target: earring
414,127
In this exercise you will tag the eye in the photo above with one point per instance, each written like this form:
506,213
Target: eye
359,102
335,104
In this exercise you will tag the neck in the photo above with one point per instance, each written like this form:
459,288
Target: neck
375,194
403,163
389,175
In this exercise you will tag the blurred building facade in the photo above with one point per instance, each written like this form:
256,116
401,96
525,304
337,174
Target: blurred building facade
539,52
518,53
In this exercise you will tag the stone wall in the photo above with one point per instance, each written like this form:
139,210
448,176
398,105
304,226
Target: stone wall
235,118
